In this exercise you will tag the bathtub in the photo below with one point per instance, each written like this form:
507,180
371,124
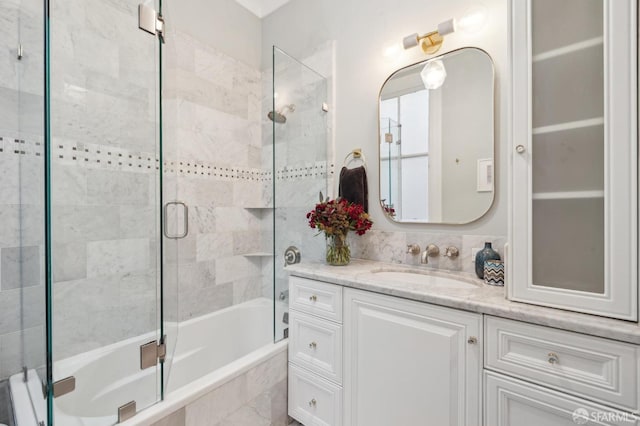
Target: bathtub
209,351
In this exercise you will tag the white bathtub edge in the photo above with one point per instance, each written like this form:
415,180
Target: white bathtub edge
198,388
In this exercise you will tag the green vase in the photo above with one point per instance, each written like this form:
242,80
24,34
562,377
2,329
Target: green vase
338,251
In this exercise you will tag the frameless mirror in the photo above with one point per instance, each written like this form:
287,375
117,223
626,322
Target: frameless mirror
437,139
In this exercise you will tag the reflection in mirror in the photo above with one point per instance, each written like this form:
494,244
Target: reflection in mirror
437,139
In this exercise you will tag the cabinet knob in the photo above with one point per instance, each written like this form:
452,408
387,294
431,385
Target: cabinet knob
312,403
313,298
472,340
553,358
520,149
313,345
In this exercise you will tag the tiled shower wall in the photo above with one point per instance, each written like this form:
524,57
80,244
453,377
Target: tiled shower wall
212,116
22,315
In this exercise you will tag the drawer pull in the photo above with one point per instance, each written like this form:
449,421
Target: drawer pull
312,403
472,340
553,358
313,345
313,298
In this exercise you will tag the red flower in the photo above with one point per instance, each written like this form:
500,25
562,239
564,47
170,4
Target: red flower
337,217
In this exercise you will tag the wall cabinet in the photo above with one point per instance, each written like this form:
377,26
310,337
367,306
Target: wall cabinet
574,216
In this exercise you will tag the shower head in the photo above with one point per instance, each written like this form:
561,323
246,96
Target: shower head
278,116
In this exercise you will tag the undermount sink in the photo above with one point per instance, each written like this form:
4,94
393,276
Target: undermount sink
419,277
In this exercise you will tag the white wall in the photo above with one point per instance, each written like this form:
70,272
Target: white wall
360,29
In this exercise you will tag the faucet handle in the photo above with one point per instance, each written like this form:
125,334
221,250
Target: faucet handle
413,249
451,252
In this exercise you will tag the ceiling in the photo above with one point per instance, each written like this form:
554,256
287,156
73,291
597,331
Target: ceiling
262,8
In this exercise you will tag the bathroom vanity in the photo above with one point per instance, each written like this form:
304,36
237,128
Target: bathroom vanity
416,348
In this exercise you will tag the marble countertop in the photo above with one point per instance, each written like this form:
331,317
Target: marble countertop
480,298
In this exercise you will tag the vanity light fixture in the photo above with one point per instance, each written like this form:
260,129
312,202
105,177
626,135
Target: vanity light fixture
431,42
471,23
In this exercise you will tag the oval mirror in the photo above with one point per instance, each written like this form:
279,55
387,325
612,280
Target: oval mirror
437,139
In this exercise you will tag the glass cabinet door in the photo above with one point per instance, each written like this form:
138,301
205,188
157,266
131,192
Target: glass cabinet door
574,168
104,209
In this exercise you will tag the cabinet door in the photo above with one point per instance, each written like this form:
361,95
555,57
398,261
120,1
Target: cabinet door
410,363
511,402
573,224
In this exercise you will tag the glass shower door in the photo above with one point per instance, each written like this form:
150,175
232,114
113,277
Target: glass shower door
298,118
105,210
22,284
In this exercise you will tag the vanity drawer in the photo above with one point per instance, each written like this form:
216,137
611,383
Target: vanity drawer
586,366
313,400
316,344
316,297
512,402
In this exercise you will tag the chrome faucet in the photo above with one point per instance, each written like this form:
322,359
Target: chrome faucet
432,250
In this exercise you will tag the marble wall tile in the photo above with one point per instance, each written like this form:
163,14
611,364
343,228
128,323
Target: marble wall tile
20,267
202,219
21,225
79,223
204,192
202,301
248,242
22,348
21,308
258,397
175,419
247,289
212,246
117,256
180,50
198,90
139,221
181,251
112,188
95,312
234,219
70,185
218,404
69,261
22,113
229,269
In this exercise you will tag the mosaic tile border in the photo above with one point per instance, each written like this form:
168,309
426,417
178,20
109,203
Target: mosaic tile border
94,156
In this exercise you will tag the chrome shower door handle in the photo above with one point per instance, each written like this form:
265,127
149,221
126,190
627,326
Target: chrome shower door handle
185,220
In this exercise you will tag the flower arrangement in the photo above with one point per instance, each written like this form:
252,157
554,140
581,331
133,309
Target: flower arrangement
336,218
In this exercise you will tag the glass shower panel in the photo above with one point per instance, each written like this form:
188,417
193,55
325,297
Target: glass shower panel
22,262
300,167
568,144
105,207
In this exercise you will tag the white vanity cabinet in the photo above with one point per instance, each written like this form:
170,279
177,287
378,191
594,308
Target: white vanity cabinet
574,156
359,358
410,363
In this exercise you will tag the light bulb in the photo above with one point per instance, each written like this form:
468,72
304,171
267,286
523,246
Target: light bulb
391,52
433,74
473,20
